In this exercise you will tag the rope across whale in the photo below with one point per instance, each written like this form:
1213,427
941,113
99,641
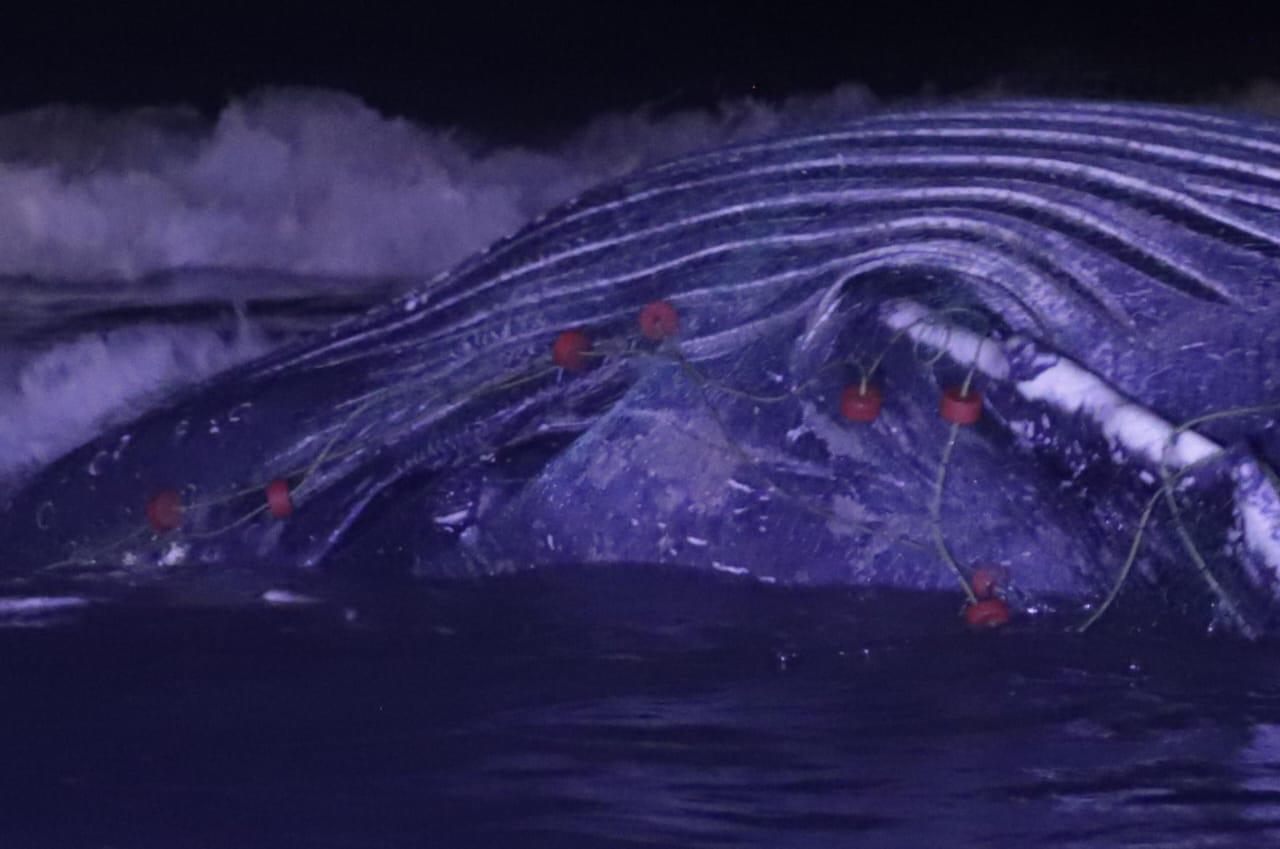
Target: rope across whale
987,586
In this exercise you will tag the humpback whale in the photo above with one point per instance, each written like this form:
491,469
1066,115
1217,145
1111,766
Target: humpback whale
1065,312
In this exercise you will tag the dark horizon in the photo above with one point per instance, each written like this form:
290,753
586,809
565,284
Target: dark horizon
521,71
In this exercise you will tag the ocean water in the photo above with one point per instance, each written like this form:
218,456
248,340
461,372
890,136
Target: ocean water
576,706
622,706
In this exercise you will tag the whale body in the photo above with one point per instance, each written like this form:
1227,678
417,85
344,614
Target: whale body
1107,276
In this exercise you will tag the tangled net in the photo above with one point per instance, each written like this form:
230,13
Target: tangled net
573,351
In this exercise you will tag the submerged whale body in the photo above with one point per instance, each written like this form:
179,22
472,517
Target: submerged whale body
1106,276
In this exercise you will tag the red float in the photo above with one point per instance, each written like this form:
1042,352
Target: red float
961,406
861,403
278,500
164,510
570,349
988,613
658,320
988,579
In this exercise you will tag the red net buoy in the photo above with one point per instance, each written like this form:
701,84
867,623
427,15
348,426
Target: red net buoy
570,349
164,510
961,407
988,579
658,320
988,613
861,403
278,500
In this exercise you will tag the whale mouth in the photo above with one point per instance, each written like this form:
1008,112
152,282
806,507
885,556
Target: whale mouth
1174,462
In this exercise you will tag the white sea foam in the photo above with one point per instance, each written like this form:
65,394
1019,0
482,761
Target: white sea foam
287,598
314,182
37,611
61,396
314,185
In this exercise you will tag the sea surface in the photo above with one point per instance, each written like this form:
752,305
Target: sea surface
575,706
627,706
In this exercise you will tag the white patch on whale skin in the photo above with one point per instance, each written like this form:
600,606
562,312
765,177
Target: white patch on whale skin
1063,384
962,345
1024,429
1073,389
1132,429
175,554
1258,509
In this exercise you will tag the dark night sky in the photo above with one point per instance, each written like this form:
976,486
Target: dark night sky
528,67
